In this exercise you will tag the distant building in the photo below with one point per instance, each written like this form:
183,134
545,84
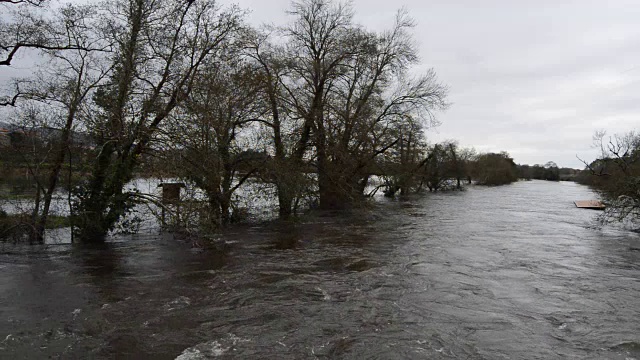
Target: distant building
11,132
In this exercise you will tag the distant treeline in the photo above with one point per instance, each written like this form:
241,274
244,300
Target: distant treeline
549,171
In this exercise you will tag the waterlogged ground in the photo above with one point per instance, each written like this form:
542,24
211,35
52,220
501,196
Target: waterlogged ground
258,200
514,272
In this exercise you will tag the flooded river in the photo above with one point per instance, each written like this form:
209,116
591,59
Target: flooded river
514,272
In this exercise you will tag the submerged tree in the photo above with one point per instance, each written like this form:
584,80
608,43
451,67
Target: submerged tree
162,46
54,101
353,91
287,134
400,166
208,132
325,102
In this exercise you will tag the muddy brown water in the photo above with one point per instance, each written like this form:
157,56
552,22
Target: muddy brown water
514,272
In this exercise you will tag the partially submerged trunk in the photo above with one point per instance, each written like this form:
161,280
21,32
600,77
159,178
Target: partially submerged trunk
54,175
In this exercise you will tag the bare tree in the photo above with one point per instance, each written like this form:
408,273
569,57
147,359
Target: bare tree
31,25
400,167
61,90
459,159
75,78
288,132
162,46
436,167
356,92
223,104
318,46
342,93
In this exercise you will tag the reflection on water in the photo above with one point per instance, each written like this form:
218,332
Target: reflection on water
515,272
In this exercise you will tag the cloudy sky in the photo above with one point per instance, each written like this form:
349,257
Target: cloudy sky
534,78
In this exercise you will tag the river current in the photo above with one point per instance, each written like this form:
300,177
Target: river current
512,272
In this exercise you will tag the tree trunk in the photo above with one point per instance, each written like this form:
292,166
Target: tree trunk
215,216
55,173
33,235
225,205
285,201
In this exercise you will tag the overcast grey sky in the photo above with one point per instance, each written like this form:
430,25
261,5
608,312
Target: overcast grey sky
534,78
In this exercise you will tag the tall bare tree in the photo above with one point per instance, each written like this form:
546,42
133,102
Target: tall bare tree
223,107
74,79
31,25
61,89
317,48
288,132
161,48
353,88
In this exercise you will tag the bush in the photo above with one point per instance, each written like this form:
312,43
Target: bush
6,225
495,169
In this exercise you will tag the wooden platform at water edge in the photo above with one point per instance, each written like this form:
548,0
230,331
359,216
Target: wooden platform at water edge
589,204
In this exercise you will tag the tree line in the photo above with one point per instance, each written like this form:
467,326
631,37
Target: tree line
144,79
316,108
549,171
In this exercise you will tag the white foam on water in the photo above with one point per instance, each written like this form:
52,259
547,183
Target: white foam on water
203,351
179,303
211,349
325,294
76,312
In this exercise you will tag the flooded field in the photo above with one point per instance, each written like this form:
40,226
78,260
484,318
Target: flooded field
513,272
